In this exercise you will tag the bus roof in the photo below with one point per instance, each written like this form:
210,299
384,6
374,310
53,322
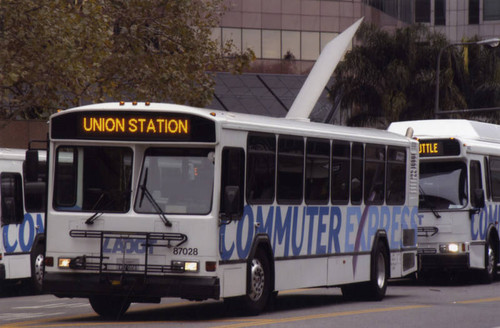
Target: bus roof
258,123
450,128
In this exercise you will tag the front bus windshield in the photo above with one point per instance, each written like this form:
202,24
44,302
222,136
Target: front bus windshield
180,181
93,179
443,185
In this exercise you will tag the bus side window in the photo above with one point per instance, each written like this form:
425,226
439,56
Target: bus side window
341,172
317,171
495,178
396,176
374,174
487,178
261,168
290,169
476,183
357,173
12,198
35,191
232,176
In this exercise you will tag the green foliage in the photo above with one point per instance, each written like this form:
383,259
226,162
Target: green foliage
59,53
391,76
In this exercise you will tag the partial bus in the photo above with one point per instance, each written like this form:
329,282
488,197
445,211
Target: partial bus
22,203
149,200
459,195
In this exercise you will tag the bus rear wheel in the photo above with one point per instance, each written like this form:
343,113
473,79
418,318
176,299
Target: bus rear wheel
373,290
110,307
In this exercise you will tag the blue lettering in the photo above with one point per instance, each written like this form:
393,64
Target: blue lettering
26,244
296,249
311,212
244,249
385,218
8,247
268,226
119,247
282,229
394,243
356,212
225,253
320,248
373,223
335,217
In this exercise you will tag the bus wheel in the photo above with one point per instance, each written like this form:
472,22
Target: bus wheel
490,261
259,289
110,307
37,267
379,274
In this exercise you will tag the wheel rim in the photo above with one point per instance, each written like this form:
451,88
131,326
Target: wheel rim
39,269
257,280
380,271
491,260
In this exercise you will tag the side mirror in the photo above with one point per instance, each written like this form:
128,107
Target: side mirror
478,198
31,174
232,203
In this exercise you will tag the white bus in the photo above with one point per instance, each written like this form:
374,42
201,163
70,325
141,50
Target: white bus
459,195
22,207
149,200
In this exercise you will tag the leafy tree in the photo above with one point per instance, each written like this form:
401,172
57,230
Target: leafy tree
61,53
391,76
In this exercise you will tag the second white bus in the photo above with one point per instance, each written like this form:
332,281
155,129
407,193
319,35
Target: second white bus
22,207
459,195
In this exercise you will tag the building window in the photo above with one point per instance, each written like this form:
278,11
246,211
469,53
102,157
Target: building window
491,10
233,34
326,37
310,45
422,11
271,44
251,39
291,44
440,12
473,11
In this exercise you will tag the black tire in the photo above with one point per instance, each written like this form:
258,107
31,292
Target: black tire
259,284
490,261
373,290
379,274
109,307
37,267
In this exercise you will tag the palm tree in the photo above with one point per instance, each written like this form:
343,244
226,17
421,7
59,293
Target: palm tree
391,76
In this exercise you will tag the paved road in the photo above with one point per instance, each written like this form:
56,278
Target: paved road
408,304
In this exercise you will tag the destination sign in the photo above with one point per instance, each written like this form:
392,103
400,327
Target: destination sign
439,147
136,125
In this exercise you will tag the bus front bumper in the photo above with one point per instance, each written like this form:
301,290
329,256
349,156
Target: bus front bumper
444,261
135,287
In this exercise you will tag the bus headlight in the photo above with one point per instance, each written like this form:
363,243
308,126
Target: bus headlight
449,248
63,263
186,266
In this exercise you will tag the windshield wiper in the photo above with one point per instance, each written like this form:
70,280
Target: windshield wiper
153,202
96,215
145,192
431,205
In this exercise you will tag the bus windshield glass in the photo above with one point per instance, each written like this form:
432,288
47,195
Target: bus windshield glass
180,181
93,179
443,185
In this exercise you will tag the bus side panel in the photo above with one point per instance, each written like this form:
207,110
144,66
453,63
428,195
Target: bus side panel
234,280
17,266
304,273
